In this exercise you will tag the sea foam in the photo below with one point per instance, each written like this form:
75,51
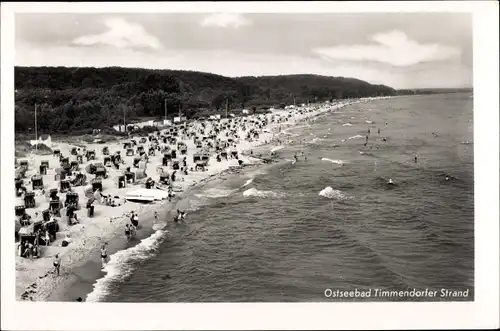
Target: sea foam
119,264
253,192
333,161
330,193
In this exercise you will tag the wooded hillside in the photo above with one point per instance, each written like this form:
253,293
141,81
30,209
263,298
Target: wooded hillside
76,99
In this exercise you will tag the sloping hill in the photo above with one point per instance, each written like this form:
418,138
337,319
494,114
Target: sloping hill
72,99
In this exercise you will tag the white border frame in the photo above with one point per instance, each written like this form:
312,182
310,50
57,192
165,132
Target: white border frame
483,313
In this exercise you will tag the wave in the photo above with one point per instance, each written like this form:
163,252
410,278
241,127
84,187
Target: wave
247,182
119,265
333,161
277,148
315,140
253,192
330,193
214,193
369,122
347,124
355,137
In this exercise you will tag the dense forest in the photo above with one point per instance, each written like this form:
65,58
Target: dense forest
80,99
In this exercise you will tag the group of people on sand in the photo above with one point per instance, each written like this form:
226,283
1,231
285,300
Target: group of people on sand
131,229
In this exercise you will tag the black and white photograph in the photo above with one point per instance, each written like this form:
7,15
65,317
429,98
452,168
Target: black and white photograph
223,156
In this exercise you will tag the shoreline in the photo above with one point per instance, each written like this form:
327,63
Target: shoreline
83,267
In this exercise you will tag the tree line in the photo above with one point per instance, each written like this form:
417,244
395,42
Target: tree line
75,99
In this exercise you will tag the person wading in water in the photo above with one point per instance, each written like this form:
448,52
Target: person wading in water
104,255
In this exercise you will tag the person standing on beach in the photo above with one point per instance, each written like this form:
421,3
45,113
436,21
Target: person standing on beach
57,264
104,255
127,232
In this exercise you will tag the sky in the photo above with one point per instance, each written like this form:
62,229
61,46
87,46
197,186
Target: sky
401,50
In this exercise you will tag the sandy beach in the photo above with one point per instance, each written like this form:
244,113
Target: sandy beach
35,279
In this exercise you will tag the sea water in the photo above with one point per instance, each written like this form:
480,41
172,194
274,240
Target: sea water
288,231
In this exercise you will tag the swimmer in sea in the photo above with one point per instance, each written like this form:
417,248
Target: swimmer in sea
416,158
379,131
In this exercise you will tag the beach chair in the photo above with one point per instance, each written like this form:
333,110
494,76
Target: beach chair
143,140
55,207
79,158
127,145
107,161
116,158
46,215
24,165
200,166
53,194
64,161
100,172
234,154
19,184
90,155
137,160
20,210
173,153
64,186
56,153
74,166
72,198
175,165
37,182
70,213
122,182
90,211
196,157
130,177
130,152
149,183
140,149
164,161
67,168
151,151
199,144
105,150
74,151
164,179
205,158
96,184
